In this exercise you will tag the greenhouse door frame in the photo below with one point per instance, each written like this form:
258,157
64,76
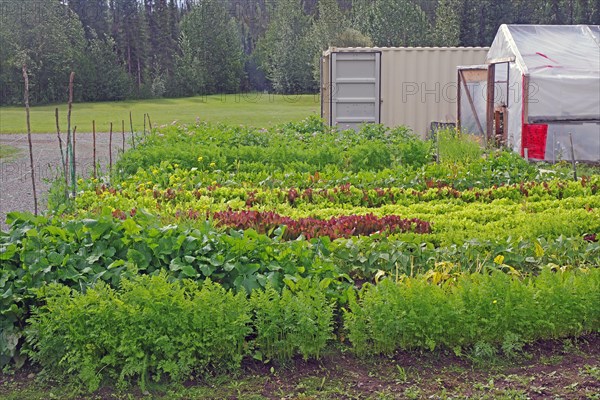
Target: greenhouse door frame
492,112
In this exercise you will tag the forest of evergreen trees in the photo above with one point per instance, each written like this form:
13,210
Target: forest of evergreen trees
122,49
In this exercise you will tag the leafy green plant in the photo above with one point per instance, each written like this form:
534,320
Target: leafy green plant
484,310
299,320
149,329
457,147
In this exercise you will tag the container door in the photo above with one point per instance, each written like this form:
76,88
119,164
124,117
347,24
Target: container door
355,89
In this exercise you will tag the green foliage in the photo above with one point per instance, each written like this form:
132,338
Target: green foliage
286,52
391,22
483,310
155,329
81,253
211,59
351,38
105,77
446,32
149,329
303,146
274,44
297,320
456,147
48,38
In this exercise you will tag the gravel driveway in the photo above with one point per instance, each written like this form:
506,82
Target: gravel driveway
16,192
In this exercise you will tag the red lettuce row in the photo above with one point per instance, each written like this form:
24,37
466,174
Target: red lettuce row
337,227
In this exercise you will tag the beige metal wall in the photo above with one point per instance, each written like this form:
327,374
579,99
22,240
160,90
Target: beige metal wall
418,84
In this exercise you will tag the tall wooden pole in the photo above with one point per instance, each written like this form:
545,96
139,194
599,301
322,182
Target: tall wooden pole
573,163
132,134
110,149
70,160
94,146
73,174
62,154
491,81
26,78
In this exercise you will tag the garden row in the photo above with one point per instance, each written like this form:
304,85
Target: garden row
309,154
154,329
130,193
450,221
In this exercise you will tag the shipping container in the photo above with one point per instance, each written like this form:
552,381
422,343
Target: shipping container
411,86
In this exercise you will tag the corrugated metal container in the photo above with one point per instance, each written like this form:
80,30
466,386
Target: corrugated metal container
412,86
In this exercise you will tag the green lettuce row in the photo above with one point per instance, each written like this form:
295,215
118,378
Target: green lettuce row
498,168
131,194
453,222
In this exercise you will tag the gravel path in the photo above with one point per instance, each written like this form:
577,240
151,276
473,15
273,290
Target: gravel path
16,192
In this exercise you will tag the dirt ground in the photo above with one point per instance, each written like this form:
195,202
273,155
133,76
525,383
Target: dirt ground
16,193
554,369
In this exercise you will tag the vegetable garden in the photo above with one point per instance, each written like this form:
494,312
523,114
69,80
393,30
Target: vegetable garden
208,244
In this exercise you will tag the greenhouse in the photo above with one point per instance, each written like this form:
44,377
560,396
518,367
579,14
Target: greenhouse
543,83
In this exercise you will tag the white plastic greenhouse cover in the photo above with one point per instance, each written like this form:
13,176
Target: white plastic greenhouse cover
562,63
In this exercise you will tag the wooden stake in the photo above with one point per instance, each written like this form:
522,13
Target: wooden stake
144,124
62,154
69,140
123,133
110,149
132,134
26,98
491,81
94,146
149,123
73,174
573,157
437,146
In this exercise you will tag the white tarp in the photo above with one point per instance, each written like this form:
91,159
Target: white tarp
562,63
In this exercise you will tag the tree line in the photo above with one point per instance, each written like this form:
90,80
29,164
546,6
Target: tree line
122,49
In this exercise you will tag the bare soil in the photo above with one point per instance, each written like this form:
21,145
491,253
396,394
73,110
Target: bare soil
554,369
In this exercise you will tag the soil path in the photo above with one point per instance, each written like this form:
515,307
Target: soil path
16,192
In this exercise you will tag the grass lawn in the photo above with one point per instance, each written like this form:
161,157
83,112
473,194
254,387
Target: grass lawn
256,109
